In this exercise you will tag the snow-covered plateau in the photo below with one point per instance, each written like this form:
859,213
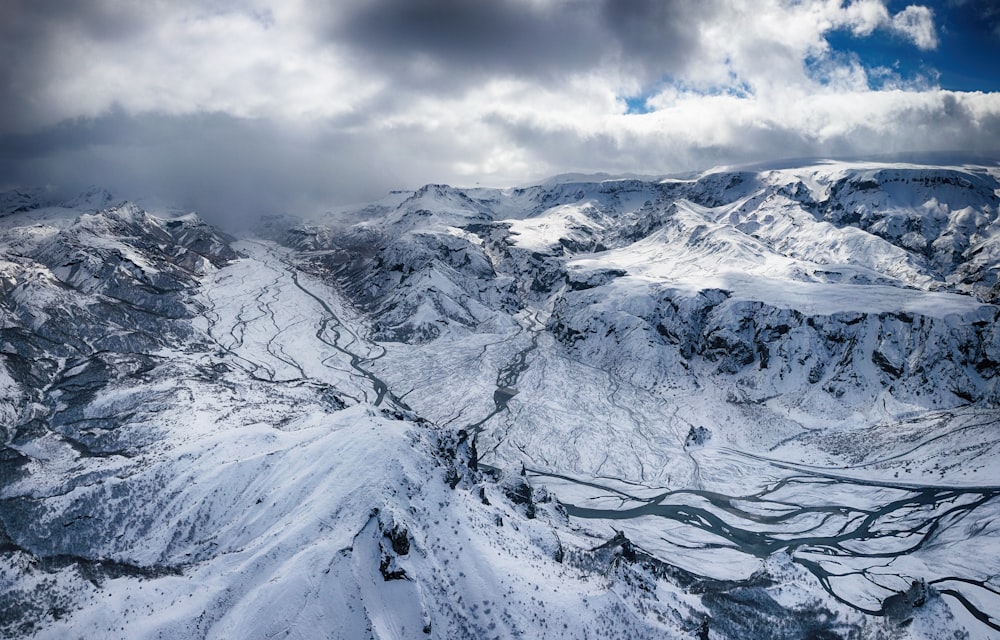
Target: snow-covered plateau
756,403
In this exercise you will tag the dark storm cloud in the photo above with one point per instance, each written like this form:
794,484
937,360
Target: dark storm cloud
224,166
24,21
31,34
655,33
517,38
44,43
488,36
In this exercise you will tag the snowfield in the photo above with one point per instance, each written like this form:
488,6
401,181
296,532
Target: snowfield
749,404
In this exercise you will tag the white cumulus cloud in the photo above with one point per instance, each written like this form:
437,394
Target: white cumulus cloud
916,23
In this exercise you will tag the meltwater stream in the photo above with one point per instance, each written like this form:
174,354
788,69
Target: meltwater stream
839,529
276,328
329,323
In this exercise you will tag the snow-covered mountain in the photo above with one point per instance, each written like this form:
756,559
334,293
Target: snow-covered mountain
748,403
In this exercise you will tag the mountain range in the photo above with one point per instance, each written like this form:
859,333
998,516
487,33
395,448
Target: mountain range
743,403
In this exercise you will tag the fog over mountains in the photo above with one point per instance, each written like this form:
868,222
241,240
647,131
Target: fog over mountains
744,403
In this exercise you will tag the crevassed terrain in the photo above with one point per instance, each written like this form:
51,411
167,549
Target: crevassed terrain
745,404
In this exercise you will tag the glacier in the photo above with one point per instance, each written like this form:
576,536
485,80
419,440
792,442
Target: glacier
749,402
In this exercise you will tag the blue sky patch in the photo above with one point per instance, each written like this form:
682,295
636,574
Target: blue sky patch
636,105
966,58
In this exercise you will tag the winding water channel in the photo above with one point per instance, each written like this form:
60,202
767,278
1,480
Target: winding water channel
332,324
852,528
506,383
330,331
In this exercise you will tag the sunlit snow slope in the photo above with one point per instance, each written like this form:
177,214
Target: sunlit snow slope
745,404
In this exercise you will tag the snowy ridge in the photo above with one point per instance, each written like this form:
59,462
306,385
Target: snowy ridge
754,403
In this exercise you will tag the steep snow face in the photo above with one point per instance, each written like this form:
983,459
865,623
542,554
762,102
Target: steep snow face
944,218
86,295
744,405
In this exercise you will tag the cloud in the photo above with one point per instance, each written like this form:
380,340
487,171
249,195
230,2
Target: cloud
228,167
258,59
467,37
67,59
693,131
540,39
255,105
917,25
